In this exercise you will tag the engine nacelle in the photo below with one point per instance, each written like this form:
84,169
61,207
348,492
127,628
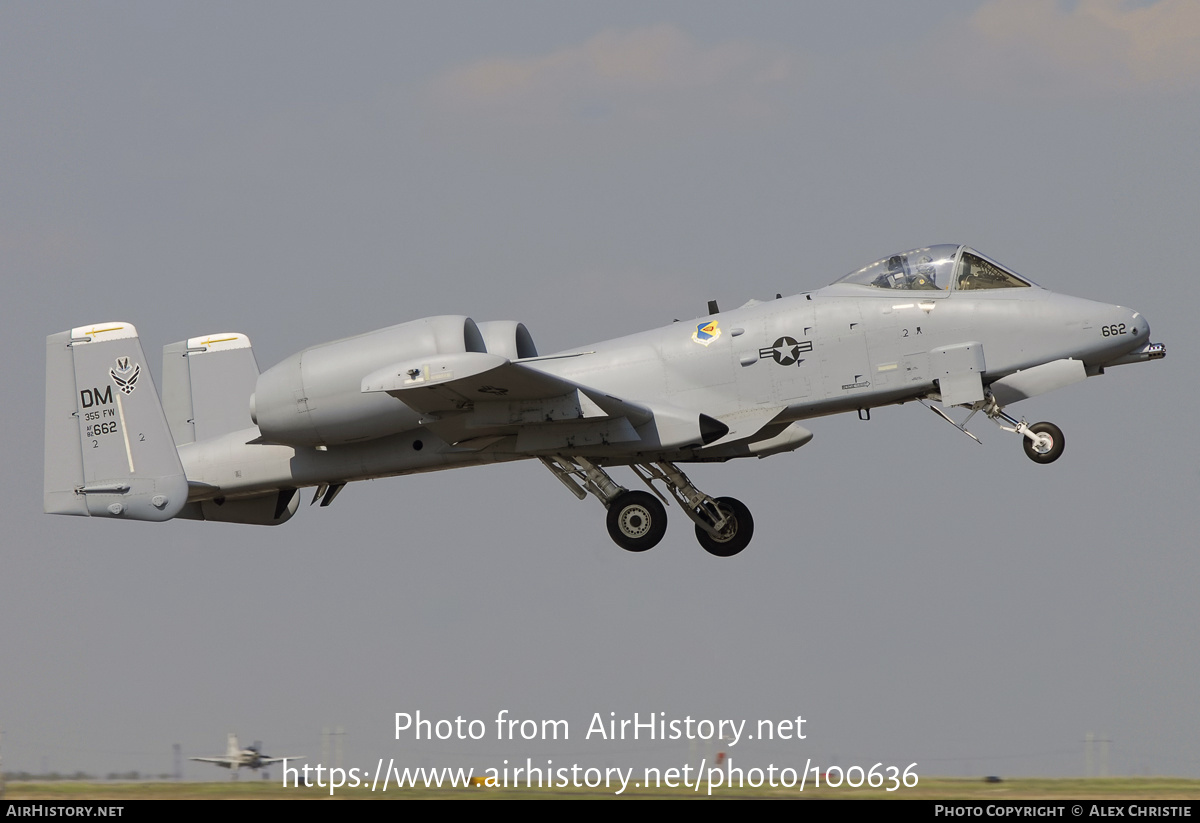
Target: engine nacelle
315,397
508,338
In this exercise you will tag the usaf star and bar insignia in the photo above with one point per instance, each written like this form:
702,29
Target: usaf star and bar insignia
785,351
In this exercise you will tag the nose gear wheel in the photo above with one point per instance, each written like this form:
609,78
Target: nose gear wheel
1049,444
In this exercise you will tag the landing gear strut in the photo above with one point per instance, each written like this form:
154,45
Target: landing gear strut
723,525
1043,442
637,520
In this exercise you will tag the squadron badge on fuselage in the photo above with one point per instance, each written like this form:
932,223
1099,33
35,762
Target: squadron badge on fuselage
706,332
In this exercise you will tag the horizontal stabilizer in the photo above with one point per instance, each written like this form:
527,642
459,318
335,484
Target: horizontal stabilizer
270,509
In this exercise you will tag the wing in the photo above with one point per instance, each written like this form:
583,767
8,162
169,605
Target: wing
475,400
220,761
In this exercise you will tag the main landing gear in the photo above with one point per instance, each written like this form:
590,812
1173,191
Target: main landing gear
1043,442
637,520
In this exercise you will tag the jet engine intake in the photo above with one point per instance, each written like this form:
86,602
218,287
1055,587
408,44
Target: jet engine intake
508,338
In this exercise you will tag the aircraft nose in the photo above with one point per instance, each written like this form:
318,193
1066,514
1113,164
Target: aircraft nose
1129,331
1140,326
1126,328
1139,329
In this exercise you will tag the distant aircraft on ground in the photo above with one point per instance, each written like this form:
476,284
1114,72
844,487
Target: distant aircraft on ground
939,325
238,758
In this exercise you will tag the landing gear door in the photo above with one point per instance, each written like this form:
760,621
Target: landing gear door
959,370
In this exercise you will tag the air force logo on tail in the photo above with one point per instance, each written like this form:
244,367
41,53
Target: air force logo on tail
124,375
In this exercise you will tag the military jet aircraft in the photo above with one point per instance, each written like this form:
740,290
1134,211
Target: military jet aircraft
237,758
942,325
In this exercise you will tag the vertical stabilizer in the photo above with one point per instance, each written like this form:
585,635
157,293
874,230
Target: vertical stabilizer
109,452
207,383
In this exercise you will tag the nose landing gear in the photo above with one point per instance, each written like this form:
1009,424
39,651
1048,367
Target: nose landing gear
1047,444
1043,442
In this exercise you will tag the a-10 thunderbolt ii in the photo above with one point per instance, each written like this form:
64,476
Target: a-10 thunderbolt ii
942,325
237,758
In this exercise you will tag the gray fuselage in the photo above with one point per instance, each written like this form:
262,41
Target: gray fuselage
841,348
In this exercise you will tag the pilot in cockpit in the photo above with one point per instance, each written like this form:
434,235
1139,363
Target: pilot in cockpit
900,276
926,277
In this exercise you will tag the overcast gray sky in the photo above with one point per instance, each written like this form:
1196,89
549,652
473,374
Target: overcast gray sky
301,172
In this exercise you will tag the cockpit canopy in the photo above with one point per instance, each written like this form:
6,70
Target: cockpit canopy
936,268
